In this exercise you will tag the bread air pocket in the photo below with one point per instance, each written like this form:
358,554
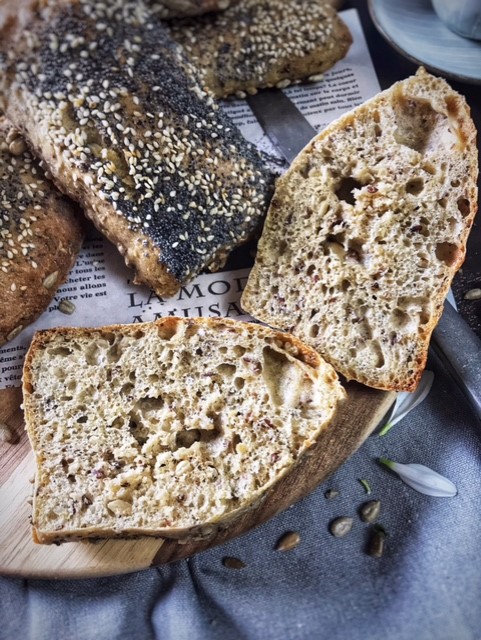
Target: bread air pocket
367,229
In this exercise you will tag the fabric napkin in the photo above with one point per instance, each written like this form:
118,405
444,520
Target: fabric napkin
427,584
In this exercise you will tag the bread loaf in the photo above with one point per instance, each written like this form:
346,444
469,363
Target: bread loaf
108,100
367,229
166,9
260,43
167,428
40,236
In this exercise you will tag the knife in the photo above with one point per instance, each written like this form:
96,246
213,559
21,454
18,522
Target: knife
453,340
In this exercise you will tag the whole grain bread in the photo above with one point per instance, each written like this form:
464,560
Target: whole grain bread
166,9
256,43
108,100
367,229
40,236
167,428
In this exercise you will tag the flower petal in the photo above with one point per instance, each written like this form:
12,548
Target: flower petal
422,479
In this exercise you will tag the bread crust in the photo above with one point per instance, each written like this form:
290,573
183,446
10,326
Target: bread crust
220,345
254,44
40,236
167,9
133,138
378,208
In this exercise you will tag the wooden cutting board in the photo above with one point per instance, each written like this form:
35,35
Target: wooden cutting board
20,556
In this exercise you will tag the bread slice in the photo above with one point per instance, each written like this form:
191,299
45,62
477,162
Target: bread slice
262,43
367,229
166,428
110,103
40,236
166,9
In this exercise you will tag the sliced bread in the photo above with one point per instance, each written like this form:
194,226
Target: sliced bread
367,229
40,235
167,428
261,43
108,100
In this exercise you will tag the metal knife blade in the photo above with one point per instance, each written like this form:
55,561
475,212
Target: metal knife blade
453,340
282,121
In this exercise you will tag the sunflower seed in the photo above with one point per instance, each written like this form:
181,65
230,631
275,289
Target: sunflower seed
50,280
233,563
339,527
66,306
370,511
288,541
6,434
376,543
17,147
473,294
330,494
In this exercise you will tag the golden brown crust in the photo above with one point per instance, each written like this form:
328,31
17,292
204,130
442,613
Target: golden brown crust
40,236
255,44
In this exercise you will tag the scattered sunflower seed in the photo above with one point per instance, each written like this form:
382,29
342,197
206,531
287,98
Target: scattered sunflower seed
233,563
6,434
366,485
339,527
370,511
288,541
376,543
473,294
331,494
66,306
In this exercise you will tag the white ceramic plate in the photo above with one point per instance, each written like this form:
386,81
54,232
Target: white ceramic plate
413,28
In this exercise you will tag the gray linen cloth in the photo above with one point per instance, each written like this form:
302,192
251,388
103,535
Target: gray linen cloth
426,586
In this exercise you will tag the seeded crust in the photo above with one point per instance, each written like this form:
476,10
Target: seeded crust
165,9
255,44
109,102
367,229
167,428
40,236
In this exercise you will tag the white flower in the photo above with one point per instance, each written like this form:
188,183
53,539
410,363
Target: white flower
407,401
422,479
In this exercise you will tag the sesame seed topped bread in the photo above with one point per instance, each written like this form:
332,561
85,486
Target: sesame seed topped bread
110,103
167,428
256,44
165,9
367,229
40,236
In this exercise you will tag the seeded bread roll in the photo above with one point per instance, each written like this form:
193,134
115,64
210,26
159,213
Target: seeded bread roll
255,44
177,8
367,229
40,236
167,428
108,100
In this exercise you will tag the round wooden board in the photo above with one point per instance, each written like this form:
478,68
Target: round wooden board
20,556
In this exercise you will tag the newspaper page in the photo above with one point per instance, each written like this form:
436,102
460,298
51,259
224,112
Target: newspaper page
100,285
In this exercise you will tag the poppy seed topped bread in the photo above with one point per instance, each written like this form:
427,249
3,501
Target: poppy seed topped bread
110,103
167,428
258,43
40,236
367,229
